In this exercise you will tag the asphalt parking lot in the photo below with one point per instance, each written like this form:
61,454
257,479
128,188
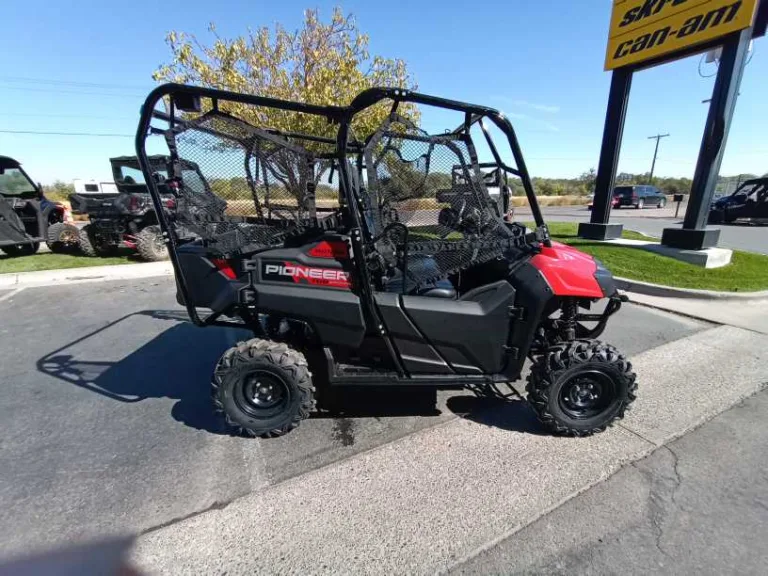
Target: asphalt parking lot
107,427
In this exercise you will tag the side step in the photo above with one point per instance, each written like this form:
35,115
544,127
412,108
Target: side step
352,375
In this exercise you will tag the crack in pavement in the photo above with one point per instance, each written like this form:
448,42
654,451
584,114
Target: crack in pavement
678,478
662,497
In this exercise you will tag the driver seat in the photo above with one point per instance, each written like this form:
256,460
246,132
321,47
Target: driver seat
421,266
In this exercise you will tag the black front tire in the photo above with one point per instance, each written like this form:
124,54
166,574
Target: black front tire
263,388
62,238
150,244
18,250
580,388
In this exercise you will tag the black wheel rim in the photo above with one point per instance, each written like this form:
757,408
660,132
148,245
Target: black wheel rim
262,394
587,394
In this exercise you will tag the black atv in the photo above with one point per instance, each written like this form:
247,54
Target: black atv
28,218
128,218
749,203
375,288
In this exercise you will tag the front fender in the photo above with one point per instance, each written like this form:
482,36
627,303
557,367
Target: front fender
570,272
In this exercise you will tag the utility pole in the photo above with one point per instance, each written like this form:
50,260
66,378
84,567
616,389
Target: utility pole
658,138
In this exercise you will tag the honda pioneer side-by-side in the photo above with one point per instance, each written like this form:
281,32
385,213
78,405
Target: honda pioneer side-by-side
127,217
28,218
360,250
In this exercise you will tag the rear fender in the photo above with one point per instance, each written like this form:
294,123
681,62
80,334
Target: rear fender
332,311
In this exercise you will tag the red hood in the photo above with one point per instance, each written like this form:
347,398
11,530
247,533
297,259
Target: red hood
568,271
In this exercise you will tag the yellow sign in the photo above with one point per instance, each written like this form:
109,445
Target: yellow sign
645,29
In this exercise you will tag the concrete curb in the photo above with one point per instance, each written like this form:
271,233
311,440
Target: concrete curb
88,274
649,289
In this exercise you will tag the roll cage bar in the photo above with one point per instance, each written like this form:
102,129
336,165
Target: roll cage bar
187,98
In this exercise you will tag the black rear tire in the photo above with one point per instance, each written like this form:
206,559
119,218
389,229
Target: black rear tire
150,244
62,238
18,250
580,388
263,388
92,245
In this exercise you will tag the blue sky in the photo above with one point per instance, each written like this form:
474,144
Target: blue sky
85,66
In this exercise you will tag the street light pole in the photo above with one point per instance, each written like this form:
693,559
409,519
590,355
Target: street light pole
658,138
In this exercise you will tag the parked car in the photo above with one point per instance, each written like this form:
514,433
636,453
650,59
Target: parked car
639,196
749,201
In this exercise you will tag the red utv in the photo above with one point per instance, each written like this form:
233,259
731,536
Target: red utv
336,251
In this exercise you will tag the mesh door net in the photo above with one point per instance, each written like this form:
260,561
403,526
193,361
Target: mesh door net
257,188
432,186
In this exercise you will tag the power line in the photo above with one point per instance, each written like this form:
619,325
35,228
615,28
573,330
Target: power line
39,115
74,83
81,93
42,133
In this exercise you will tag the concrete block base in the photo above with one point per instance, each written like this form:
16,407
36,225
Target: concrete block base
592,231
706,258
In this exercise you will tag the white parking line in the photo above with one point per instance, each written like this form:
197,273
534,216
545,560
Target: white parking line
10,294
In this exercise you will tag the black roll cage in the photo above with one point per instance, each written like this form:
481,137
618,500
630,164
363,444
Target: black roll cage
188,97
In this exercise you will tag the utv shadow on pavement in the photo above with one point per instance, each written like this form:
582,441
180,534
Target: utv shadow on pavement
175,364
513,415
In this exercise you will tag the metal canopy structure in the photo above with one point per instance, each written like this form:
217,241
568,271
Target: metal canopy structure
647,33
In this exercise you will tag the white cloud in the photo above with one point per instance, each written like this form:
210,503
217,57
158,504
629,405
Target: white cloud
549,109
538,106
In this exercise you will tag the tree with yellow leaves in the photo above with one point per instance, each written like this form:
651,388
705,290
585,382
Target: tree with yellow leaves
321,63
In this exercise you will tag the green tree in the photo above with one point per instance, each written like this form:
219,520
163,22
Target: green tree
588,179
59,190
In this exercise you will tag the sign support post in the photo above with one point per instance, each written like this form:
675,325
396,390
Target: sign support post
598,227
646,33
694,235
